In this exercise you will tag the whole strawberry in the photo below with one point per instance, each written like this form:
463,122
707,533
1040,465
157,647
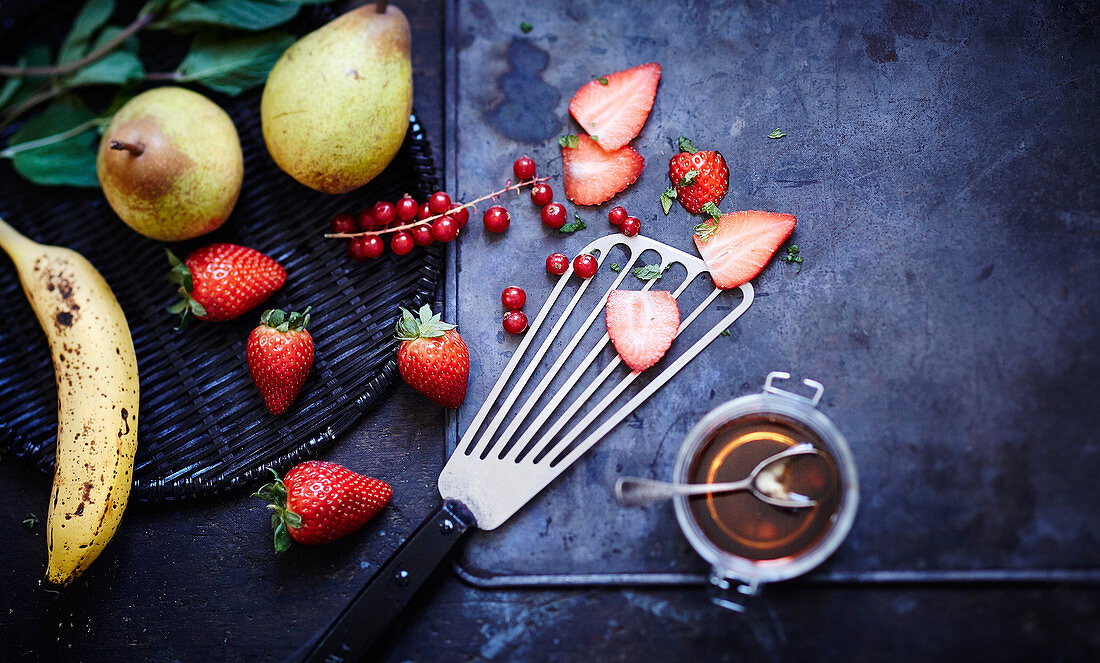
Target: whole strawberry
280,354
318,502
698,178
432,358
223,281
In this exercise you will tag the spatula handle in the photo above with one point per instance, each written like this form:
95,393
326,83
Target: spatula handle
374,609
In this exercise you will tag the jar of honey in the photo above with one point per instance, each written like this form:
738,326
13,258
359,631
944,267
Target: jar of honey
747,541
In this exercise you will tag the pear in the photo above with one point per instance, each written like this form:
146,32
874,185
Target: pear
170,164
336,105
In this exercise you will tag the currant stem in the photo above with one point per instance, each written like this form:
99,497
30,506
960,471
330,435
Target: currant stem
412,224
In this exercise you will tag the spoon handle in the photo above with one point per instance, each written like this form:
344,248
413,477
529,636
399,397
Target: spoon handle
640,492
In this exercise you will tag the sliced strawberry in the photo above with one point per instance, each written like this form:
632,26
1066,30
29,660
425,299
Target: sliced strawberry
615,107
594,175
641,325
738,245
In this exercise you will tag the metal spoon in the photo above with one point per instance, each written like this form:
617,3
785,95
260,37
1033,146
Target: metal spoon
763,481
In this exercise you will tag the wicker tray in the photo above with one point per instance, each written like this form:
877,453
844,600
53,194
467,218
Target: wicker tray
205,429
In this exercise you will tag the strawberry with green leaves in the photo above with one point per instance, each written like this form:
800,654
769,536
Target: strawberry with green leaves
318,502
737,246
699,180
223,281
280,355
433,358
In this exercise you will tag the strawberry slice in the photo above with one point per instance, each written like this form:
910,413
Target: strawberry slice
594,175
615,107
738,245
641,325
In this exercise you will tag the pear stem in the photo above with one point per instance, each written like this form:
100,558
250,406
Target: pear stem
135,149
380,7
420,222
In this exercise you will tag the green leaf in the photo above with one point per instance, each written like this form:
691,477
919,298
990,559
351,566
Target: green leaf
252,15
570,140
573,227
11,86
36,56
595,138
704,231
66,162
667,197
526,27
115,69
688,179
615,267
793,255
648,272
712,210
233,66
777,134
686,145
602,80
30,520
91,18
725,332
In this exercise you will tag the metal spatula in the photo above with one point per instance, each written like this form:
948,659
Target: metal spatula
494,472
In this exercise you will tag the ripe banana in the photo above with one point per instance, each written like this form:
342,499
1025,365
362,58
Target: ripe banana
97,399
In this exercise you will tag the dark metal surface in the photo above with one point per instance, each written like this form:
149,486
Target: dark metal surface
942,162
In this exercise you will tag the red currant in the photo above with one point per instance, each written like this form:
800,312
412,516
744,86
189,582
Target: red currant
460,214
630,226
553,215
422,234
557,263
444,229
541,193
366,220
616,215
515,322
407,208
424,212
384,213
343,223
401,243
513,298
496,219
366,247
524,168
585,265
440,202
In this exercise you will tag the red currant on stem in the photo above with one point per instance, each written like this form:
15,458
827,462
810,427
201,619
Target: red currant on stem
496,219
630,226
384,213
422,234
541,194
401,243
342,223
557,263
366,220
407,208
585,265
440,202
524,168
365,247
515,322
616,215
461,215
425,211
513,298
553,215
444,229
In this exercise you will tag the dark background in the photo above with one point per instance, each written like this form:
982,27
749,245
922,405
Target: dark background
942,160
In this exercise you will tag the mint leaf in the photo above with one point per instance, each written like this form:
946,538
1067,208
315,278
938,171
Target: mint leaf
647,272
573,227
704,231
776,134
725,332
602,80
232,66
93,15
63,149
570,140
688,179
793,255
686,145
666,199
595,138
526,27
615,267
712,210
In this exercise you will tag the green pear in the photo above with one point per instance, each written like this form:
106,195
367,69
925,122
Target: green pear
336,105
170,164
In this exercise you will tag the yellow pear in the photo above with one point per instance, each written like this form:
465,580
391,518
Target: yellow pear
336,105
170,164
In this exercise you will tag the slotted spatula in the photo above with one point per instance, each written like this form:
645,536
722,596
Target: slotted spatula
490,475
